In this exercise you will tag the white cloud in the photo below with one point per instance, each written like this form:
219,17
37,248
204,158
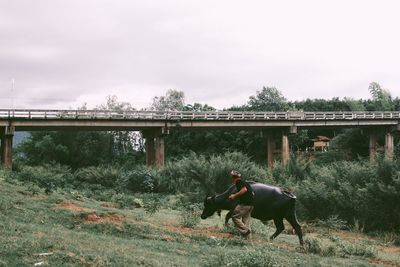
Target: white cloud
64,53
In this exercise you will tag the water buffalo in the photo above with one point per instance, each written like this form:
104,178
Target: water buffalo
270,203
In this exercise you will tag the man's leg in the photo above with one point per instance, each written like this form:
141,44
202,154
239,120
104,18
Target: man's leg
247,217
239,213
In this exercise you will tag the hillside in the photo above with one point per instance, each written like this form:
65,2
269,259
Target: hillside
67,229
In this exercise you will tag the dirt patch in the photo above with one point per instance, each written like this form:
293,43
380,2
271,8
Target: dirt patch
92,218
390,250
352,236
103,218
167,238
383,262
97,261
71,206
210,231
39,234
109,205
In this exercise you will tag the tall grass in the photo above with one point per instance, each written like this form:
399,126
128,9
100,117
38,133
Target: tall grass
358,192
209,174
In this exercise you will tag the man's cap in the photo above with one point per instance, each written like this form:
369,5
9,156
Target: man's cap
235,173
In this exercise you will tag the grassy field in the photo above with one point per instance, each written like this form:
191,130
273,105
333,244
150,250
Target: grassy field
67,229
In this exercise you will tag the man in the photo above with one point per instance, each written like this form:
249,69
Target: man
242,213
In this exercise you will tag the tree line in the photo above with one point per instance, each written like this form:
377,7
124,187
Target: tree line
338,185
90,148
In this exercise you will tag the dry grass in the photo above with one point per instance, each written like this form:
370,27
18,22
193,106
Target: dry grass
89,233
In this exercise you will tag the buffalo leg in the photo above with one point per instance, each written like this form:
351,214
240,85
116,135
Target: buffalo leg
227,217
279,228
296,226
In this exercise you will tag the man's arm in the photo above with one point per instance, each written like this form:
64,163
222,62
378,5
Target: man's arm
237,194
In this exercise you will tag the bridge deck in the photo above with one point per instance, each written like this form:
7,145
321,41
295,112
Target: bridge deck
23,119
188,115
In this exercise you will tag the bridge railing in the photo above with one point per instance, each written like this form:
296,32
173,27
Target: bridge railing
189,115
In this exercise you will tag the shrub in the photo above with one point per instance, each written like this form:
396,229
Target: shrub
209,174
313,245
48,176
4,174
139,180
380,197
364,193
354,249
107,176
396,242
298,168
124,200
254,258
190,216
333,222
317,246
152,204
101,194
330,156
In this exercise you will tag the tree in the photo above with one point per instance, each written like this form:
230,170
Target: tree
382,97
75,149
173,100
334,104
352,142
123,142
84,148
268,99
198,107
354,105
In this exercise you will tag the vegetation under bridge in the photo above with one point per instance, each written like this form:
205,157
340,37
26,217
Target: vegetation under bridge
155,125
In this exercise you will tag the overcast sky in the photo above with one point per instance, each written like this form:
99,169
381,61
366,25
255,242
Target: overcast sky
62,54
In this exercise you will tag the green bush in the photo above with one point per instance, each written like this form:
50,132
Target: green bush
48,176
4,174
124,200
319,247
333,222
139,180
363,192
330,156
351,249
100,194
190,216
107,176
298,168
209,174
152,204
313,245
254,258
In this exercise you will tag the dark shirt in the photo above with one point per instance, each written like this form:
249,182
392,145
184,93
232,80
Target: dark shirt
248,197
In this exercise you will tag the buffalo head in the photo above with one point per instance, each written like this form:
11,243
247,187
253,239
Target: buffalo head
210,207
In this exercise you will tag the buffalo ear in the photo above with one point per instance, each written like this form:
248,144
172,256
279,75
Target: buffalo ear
210,199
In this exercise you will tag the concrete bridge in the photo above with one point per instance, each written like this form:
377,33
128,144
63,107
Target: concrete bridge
155,126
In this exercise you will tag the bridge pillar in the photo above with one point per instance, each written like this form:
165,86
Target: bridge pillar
272,137
372,145
159,151
389,145
270,150
150,151
155,147
285,148
6,146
